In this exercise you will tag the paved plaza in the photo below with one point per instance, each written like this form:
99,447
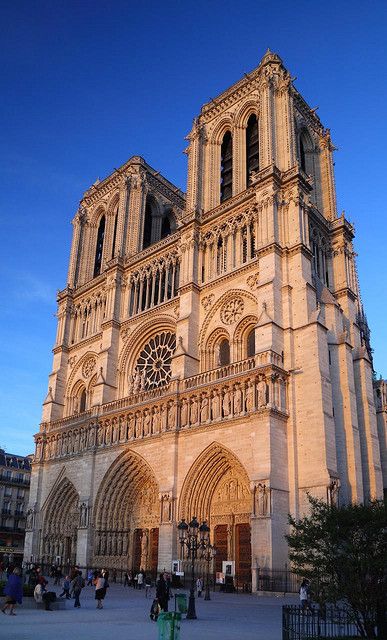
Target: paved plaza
126,616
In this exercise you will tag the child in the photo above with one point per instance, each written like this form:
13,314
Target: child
155,610
66,588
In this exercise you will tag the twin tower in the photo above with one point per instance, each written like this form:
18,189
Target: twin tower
212,357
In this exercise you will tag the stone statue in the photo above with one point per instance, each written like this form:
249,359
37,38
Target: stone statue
136,382
262,499
237,400
184,413
130,384
147,422
215,405
171,416
164,417
138,424
204,413
83,515
226,402
143,380
156,420
144,548
250,397
30,519
194,411
131,426
262,391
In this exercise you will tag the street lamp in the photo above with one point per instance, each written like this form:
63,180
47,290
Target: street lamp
193,537
208,555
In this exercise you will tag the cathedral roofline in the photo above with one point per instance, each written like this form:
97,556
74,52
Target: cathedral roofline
270,57
134,161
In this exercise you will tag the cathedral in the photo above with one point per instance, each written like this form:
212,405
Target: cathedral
212,356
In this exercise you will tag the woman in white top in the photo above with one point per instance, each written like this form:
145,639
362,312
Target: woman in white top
100,589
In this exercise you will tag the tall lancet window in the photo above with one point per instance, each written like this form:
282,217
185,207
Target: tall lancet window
252,148
302,155
99,247
115,234
226,167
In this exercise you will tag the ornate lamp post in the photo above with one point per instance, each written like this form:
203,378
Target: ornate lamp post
208,555
193,537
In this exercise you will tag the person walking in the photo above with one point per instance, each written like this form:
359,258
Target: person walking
77,585
140,579
13,592
66,588
199,587
126,579
90,577
100,589
305,596
162,592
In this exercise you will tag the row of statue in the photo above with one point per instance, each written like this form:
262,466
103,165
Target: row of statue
111,543
227,402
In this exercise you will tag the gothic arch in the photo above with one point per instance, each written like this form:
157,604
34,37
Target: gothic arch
209,354
241,333
205,476
96,215
250,107
142,334
128,480
60,524
228,296
225,124
81,370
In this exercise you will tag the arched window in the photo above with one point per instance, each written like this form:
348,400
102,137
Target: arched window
147,226
82,401
166,227
224,353
252,147
99,247
226,167
115,234
251,344
302,155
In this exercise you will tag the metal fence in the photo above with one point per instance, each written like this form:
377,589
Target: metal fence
310,624
278,580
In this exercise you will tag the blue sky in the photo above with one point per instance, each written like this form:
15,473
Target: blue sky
86,85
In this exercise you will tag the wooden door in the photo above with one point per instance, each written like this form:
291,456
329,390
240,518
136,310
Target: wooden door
136,549
220,541
154,550
243,552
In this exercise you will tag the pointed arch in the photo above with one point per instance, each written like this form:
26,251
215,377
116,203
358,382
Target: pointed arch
60,522
129,491
203,478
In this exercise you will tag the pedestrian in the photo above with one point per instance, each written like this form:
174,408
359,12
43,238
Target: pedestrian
100,589
199,586
148,585
162,592
154,610
66,588
140,579
90,576
41,595
114,576
305,596
77,585
126,579
13,592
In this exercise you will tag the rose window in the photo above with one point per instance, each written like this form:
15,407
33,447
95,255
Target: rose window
232,311
155,360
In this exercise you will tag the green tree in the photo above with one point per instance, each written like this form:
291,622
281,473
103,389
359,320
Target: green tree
343,552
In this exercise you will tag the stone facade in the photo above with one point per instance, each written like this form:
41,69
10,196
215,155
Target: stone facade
209,358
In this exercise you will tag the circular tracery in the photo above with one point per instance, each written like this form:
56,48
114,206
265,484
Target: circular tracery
155,360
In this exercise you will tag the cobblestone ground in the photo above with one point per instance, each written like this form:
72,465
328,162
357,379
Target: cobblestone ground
126,617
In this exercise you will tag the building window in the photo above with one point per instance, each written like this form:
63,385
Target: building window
252,148
302,155
82,401
226,167
224,353
99,247
251,344
147,235
115,234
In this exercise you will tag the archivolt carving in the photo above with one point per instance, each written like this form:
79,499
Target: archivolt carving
215,472
247,109
78,369
61,522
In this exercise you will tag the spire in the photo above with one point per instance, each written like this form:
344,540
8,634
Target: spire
270,56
